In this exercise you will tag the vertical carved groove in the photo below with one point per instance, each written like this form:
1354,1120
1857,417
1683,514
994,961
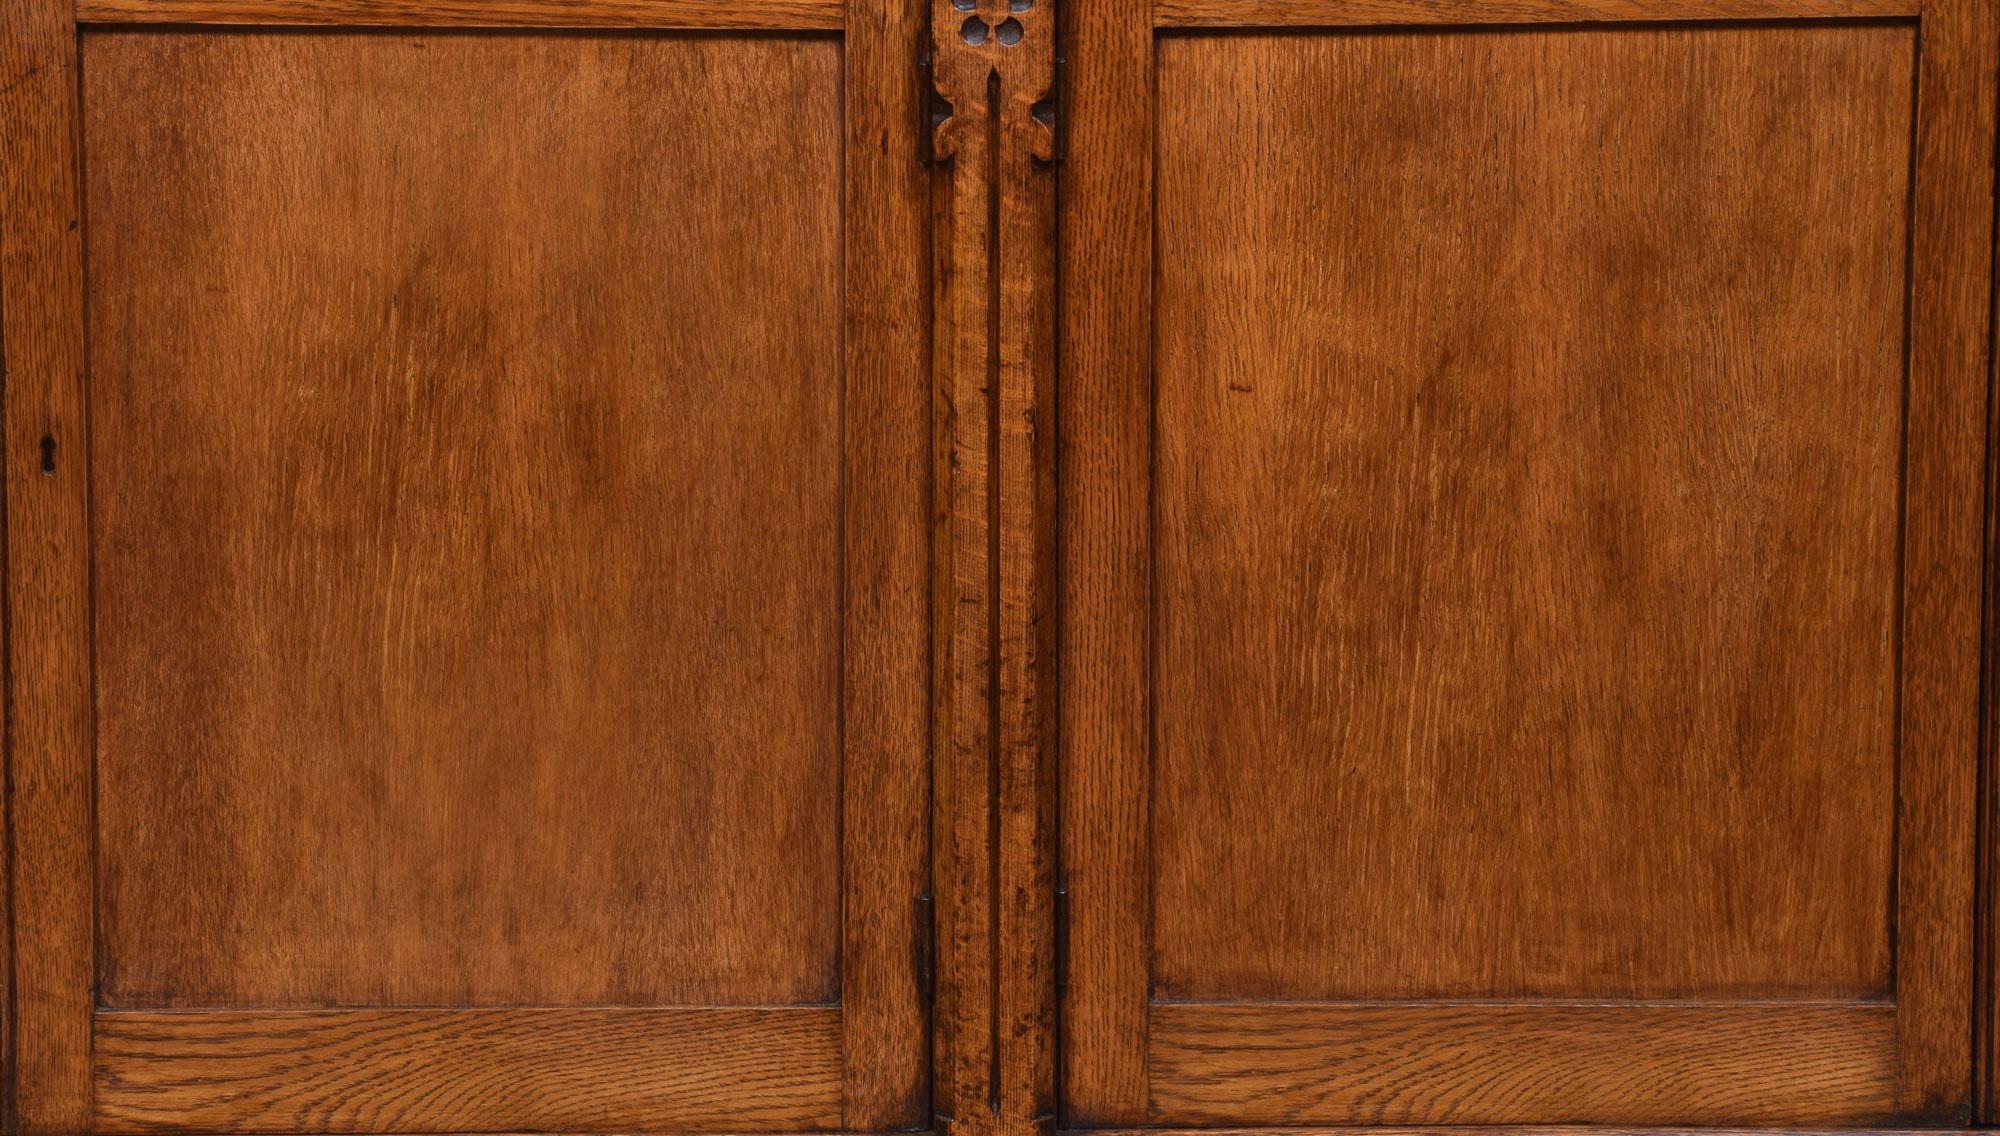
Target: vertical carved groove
993,554
994,196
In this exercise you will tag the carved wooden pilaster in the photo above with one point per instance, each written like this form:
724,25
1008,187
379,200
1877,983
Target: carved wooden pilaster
994,217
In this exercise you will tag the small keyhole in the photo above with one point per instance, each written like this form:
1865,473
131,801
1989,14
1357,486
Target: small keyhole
48,455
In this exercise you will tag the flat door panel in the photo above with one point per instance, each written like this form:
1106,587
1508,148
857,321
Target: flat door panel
499,485
1530,420
1546,501
441,536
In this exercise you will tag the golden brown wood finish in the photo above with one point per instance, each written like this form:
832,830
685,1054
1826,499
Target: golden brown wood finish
886,423
1313,186
1986,946
669,1069
415,357
796,15
1361,13
1105,576
1701,964
1399,1063
994,349
377,444
1530,1130
48,660
1945,448
1516,626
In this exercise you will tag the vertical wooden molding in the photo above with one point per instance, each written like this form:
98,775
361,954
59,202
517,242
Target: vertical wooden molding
1986,943
1106,579
48,646
994,202
1986,931
885,424
1950,308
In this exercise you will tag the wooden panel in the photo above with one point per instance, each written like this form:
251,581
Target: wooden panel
886,421
1544,1064
48,720
1539,1130
1986,942
1332,13
1543,1130
1950,336
1530,421
459,1070
466,433
752,14
1104,577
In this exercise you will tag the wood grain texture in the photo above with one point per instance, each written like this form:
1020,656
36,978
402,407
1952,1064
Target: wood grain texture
675,1069
49,722
1546,1064
885,790
1535,1130
994,198
1105,224
1543,1130
1354,13
467,468
1529,434
1905,1057
1986,948
1950,335
1986,944
823,15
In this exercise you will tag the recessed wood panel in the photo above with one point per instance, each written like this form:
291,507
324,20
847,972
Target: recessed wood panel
1529,435
466,460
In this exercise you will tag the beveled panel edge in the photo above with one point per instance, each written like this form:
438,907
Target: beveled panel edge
1218,14
737,15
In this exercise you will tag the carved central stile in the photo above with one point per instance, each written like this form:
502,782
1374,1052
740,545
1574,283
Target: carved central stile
994,208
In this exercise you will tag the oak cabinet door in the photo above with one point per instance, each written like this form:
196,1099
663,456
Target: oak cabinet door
467,509
1522,504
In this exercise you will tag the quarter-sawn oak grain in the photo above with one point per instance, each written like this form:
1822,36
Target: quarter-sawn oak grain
669,1069
441,539
553,326
885,686
796,15
1946,449
1104,574
1704,959
1529,438
49,723
1461,13
1391,1063
1740,895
